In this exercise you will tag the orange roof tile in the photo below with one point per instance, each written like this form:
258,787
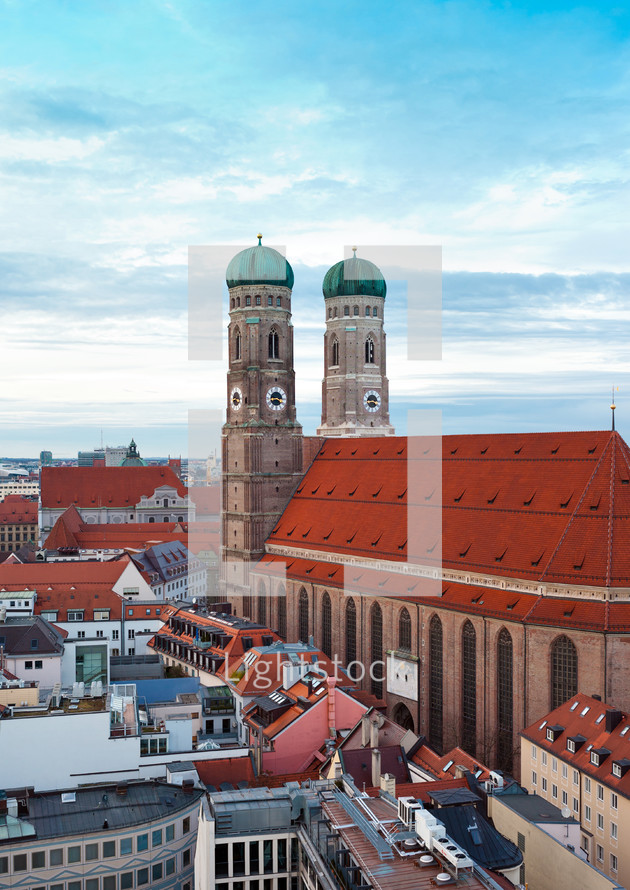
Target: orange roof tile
103,486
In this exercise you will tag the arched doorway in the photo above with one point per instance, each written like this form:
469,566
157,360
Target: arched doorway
402,716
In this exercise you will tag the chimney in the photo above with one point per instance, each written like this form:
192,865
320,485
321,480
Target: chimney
376,768
332,719
373,734
596,696
388,783
613,719
365,731
187,786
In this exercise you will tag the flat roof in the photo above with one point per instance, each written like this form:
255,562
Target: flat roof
82,811
534,808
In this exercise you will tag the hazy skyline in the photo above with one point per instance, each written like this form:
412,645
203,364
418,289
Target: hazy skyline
130,131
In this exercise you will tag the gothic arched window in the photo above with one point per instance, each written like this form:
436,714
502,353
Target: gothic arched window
355,311
369,351
346,310
435,683
469,688
282,612
505,700
564,671
274,344
303,616
375,311
326,624
351,632
335,351
237,344
238,302
376,650
262,604
367,311
404,631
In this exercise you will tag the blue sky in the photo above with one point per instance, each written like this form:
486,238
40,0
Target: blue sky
500,131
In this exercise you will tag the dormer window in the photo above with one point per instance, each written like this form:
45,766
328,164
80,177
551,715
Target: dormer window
598,755
574,743
620,767
553,732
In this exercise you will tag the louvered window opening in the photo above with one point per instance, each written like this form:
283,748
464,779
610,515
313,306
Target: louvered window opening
469,688
436,681
505,701
282,614
564,671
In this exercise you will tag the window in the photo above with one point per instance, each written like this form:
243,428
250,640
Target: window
258,300
221,860
576,805
505,694
367,311
56,857
404,631
38,859
303,616
565,771
91,884
156,871
346,311
74,854
613,862
262,604
34,644
91,852
269,301
109,883
534,752
109,849
376,649
613,830
170,866
274,344
355,310
613,800
39,665
28,665
564,671
186,825
114,635
278,301
142,843
469,688
554,765
73,885
587,814
600,853
600,821
131,634
335,352
186,857
327,624
435,682
126,880
282,612
75,614
565,798
543,758
248,300
169,833
156,838
142,876
554,791
369,351
543,783
587,784
600,792
19,862
126,846
534,778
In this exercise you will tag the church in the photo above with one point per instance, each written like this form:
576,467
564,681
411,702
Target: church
473,582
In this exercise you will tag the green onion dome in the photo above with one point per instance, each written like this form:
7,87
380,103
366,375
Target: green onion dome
259,265
354,277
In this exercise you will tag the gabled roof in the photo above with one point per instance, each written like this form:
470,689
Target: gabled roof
104,486
16,509
542,506
357,762
20,633
587,717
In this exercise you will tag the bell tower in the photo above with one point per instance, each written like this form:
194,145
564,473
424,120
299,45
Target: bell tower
262,440
355,389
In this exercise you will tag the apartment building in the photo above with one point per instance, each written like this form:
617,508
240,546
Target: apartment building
18,523
110,837
578,757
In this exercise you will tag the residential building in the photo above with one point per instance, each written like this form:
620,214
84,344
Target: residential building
18,522
32,649
173,572
549,841
578,757
23,488
113,494
110,837
89,733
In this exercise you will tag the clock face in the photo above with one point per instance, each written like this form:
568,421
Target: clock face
276,398
371,400
236,398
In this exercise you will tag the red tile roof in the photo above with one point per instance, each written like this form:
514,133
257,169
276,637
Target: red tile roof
40,575
420,790
585,716
104,486
15,509
542,506
225,769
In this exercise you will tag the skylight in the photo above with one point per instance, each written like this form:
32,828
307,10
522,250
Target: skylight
584,711
446,768
320,690
574,705
543,724
625,730
600,718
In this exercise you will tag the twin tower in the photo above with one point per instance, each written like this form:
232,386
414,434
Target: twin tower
262,440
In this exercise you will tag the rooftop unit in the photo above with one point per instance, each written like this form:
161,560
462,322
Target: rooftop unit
433,834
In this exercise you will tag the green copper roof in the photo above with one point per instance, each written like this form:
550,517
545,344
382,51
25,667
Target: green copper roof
354,277
259,265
